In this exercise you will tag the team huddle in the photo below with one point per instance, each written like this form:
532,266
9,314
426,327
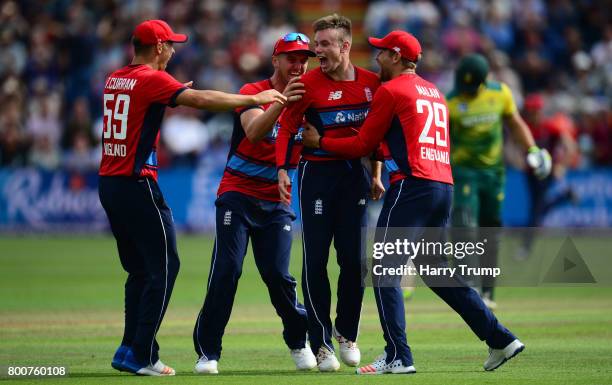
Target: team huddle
308,129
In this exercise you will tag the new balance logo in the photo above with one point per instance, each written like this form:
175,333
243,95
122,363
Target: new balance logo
318,208
335,95
361,202
227,218
287,228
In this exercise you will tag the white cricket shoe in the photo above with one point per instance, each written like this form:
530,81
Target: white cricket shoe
303,358
349,351
380,366
326,360
206,366
498,357
157,369
492,305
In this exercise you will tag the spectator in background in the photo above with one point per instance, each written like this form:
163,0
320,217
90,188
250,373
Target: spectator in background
14,53
501,71
461,38
218,74
185,136
79,123
43,128
534,62
498,27
14,143
44,153
81,157
278,25
43,120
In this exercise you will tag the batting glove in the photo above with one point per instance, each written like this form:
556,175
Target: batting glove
540,161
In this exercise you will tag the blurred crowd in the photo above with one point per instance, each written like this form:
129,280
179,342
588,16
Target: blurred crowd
55,55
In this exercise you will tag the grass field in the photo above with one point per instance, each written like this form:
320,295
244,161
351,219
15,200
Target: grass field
61,304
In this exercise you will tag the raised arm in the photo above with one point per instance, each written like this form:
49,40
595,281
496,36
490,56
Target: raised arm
222,101
257,123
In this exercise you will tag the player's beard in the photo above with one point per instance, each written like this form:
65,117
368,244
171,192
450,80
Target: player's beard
384,74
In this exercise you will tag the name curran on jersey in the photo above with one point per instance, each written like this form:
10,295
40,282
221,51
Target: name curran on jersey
120,84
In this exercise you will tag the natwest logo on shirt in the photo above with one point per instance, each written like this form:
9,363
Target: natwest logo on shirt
335,95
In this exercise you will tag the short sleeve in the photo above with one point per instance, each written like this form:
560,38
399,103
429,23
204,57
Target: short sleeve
248,89
509,105
164,89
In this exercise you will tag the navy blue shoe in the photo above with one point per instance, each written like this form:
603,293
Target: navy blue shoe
129,362
118,358
158,369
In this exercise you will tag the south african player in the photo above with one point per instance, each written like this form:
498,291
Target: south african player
478,109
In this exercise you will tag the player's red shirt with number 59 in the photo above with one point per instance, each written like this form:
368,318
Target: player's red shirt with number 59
410,117
135,98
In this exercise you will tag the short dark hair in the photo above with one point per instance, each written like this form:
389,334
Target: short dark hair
334,21
139,48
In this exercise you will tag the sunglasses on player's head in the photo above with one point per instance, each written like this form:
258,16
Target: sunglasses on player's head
295,36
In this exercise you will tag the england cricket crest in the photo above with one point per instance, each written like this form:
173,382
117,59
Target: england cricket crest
227,218
318,207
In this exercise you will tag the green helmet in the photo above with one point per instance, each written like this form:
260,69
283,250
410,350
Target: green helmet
471,73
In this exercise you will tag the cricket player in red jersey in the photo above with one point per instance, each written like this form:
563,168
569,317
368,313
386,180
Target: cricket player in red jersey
248,207
333,192
410,117
135,98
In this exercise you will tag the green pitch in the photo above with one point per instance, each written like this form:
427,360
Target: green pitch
61,304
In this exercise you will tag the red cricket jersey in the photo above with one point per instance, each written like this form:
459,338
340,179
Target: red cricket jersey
409,115
250,167
135,98
336,108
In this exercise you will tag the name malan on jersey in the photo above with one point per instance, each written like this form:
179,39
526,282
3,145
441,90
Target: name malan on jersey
125,84
427,91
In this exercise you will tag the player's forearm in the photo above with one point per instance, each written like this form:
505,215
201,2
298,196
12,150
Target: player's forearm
259,127
521,131
376,169
214,100
350,148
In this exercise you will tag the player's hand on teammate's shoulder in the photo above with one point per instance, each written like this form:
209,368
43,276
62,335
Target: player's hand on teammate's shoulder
310,136
294,90
269,96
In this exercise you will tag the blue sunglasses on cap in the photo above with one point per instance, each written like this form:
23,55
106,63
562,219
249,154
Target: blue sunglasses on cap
295,36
